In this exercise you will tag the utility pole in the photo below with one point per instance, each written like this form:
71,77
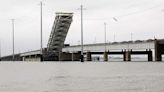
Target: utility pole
41,36
105,35
12,20
82,56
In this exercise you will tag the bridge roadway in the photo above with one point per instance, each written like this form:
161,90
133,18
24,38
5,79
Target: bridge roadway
151,48
116,46
127,49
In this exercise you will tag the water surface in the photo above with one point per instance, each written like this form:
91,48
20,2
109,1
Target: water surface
81,77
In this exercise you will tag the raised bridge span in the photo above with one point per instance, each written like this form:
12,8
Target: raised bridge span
59,31
58,35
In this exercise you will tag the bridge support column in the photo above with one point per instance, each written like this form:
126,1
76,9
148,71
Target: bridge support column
89,57
150,56
158,56
72,56
41,58
59,56
75,56
158,50
127,56
105,56
124,56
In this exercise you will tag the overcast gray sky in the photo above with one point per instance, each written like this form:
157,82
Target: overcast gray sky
143,18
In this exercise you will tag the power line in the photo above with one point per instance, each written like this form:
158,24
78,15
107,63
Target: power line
125,15
141,11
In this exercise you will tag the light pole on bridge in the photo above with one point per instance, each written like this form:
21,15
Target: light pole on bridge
82,56
12,21
105,35
41,36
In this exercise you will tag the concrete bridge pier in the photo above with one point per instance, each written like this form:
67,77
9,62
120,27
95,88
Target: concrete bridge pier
89,56
59,56
72,56
76,56
41,58
105,56
158,57
159,49
64,56
150,55
124,56
127,56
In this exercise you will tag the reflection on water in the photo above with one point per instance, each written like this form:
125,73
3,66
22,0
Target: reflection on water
82,77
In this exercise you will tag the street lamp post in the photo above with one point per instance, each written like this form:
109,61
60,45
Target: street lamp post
105,35
12,20
82,56
41,36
